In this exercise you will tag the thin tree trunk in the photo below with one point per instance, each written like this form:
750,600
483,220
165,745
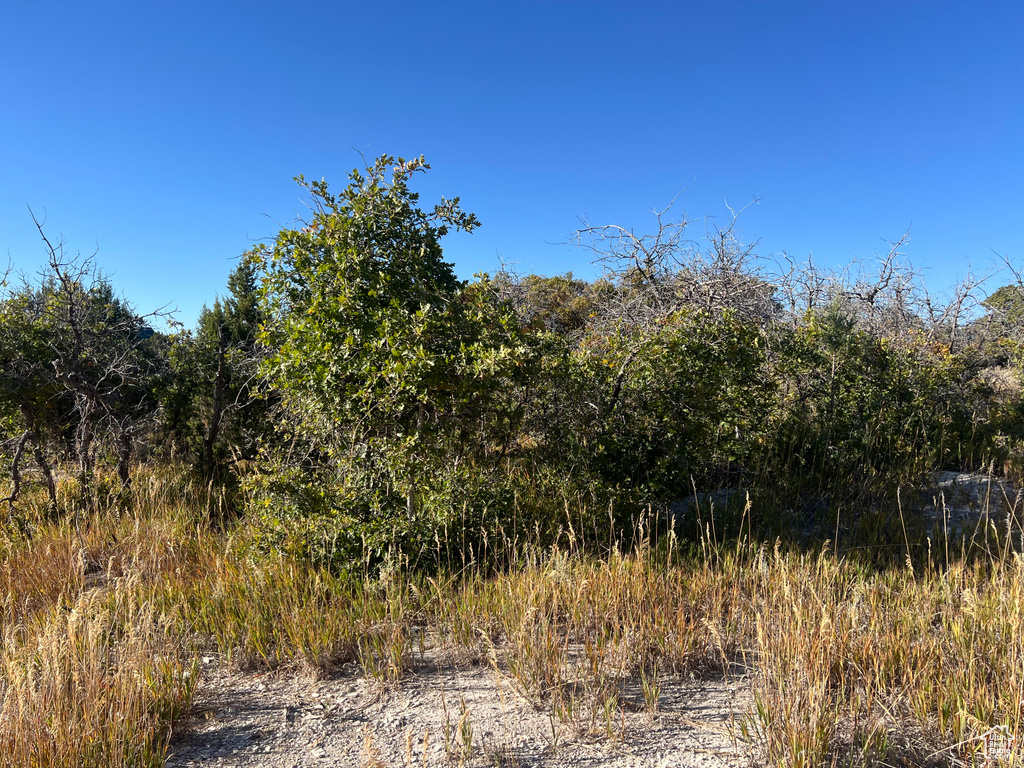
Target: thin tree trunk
40,457
219,386
124,458
410,498
44,467
16,475
83,446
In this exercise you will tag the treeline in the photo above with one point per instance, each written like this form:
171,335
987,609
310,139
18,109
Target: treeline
359,398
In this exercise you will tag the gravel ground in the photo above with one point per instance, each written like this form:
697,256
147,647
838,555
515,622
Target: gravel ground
285,720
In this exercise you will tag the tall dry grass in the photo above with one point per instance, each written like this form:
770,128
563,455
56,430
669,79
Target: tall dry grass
91,673
96,684
848,664
864,665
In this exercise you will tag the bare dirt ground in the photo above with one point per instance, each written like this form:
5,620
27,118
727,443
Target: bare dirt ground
448,713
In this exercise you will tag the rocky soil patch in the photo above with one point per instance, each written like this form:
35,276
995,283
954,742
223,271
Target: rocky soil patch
450,713
962,502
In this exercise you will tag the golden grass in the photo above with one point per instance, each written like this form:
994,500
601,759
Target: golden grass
849,664
98,684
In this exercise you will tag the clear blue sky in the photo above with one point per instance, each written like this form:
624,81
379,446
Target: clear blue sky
167,133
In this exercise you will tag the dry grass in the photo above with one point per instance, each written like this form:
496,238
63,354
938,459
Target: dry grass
850,665
865,666
97,685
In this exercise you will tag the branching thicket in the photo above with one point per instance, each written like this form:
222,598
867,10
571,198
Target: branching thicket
88,385
363,398
78,371
704,365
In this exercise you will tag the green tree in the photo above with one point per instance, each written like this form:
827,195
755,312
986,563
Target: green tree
675,403
377,354
81,365
1007,304
217,374
33,403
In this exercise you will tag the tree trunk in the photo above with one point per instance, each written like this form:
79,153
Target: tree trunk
40,457
16,475
124,458
220,384
44,468
83,447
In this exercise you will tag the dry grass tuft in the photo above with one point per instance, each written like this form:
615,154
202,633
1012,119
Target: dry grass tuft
98,683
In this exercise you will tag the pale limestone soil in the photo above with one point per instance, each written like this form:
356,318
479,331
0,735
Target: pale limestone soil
290,721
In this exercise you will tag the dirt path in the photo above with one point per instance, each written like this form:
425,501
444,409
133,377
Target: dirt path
279,721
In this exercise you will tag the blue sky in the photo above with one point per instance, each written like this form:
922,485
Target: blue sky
166,134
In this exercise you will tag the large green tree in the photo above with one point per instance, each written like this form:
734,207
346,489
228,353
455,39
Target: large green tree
381,359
